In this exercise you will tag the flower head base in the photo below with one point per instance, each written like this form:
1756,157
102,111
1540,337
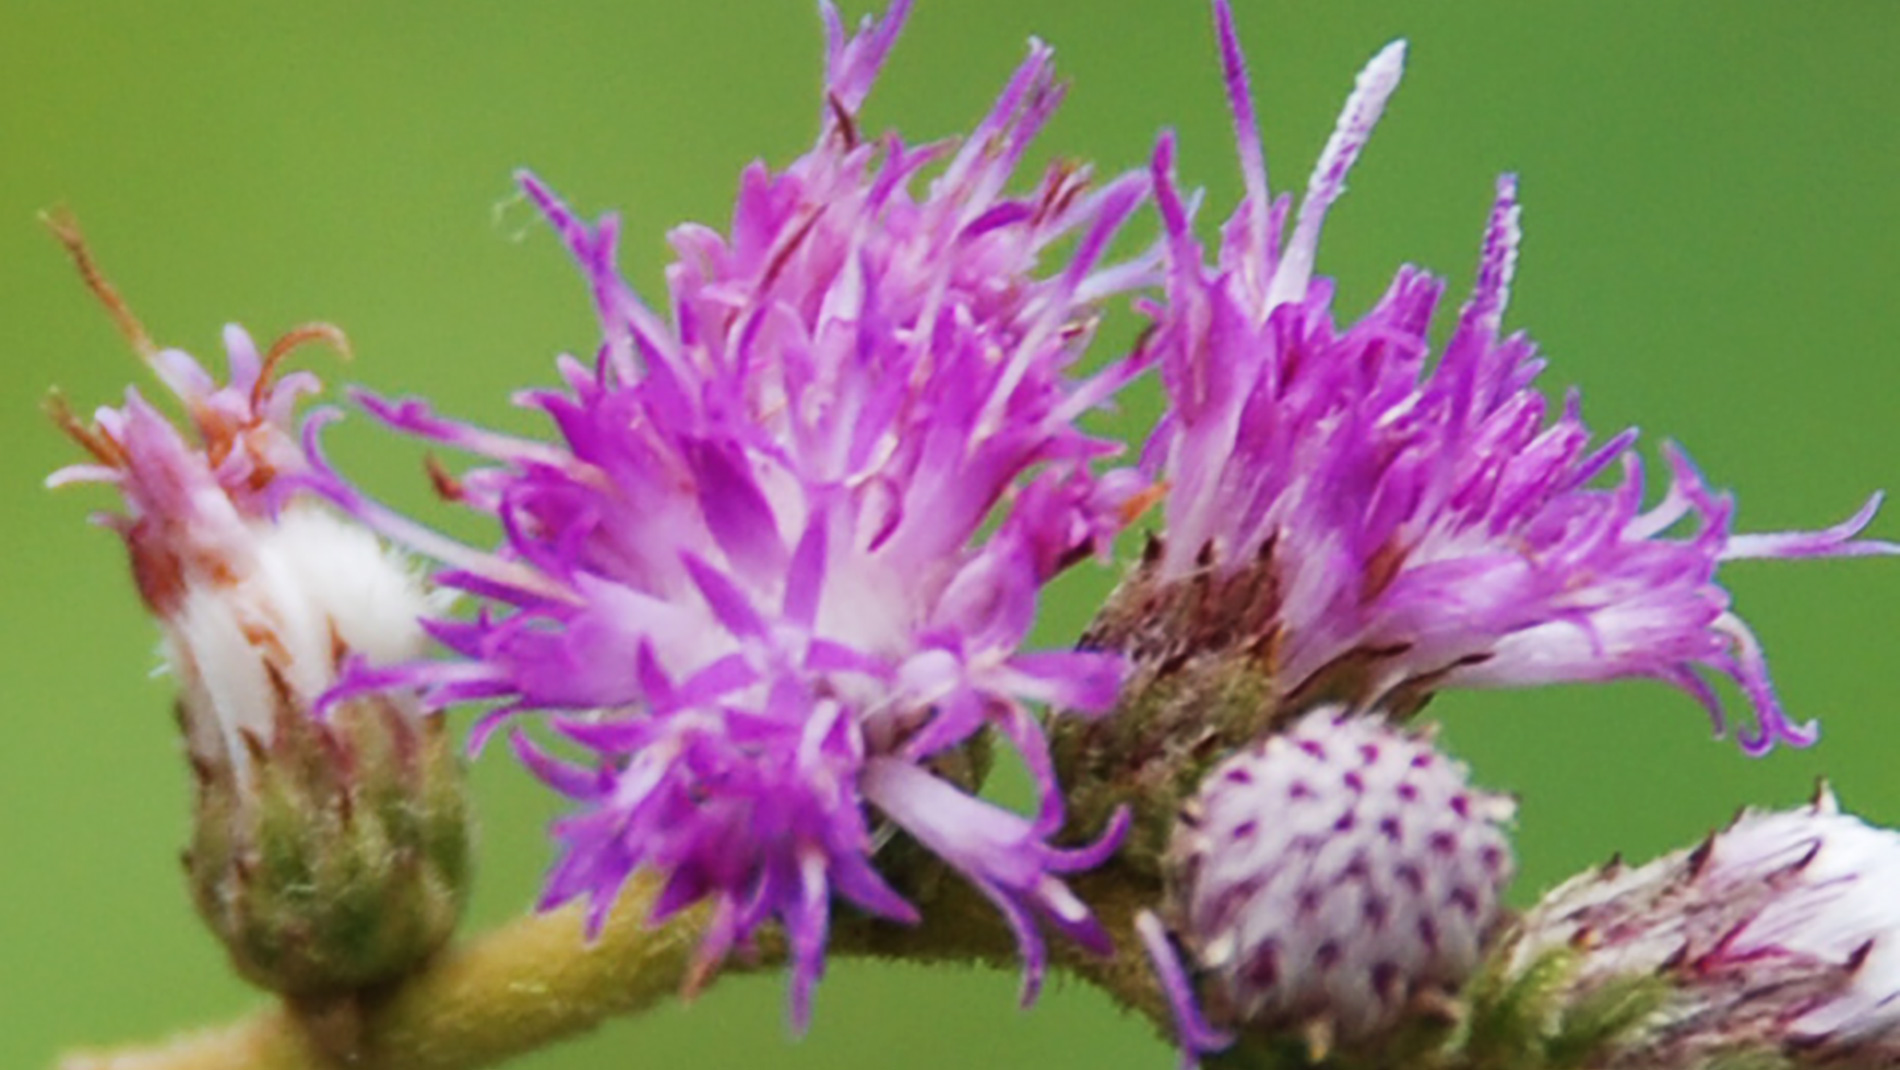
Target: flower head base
327,856
1774,935
1331,877
1410,525
753,577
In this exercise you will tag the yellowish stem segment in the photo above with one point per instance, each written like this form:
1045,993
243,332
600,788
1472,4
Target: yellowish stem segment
517,988
538,980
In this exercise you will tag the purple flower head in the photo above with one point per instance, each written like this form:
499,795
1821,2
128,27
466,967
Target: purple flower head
783,558
1425,523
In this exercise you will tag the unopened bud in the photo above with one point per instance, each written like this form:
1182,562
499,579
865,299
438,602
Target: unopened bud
1330,880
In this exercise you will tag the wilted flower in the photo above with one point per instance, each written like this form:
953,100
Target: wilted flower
1775,937
326,855
757,576
1394,526
1328,878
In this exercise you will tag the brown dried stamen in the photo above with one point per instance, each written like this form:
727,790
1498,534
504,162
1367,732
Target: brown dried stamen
847,123
101,446
65,228
1137,506
303,334
447,486
1062,184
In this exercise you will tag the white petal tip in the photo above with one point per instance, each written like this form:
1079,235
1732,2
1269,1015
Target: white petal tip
1390,62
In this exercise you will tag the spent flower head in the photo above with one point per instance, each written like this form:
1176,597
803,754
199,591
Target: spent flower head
778,570
326,854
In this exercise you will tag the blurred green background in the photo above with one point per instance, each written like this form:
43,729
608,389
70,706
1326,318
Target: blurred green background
1711,216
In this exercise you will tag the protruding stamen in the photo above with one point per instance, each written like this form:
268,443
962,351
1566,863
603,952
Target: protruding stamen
303,334
1498,262
1363,108
1253,159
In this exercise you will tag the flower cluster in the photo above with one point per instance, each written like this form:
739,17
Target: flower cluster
771,586
1412,524
779,570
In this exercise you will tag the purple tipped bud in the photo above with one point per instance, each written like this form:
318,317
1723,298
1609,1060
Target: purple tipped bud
1775,937
1330,877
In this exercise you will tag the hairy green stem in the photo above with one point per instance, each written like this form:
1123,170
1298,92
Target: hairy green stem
538,980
